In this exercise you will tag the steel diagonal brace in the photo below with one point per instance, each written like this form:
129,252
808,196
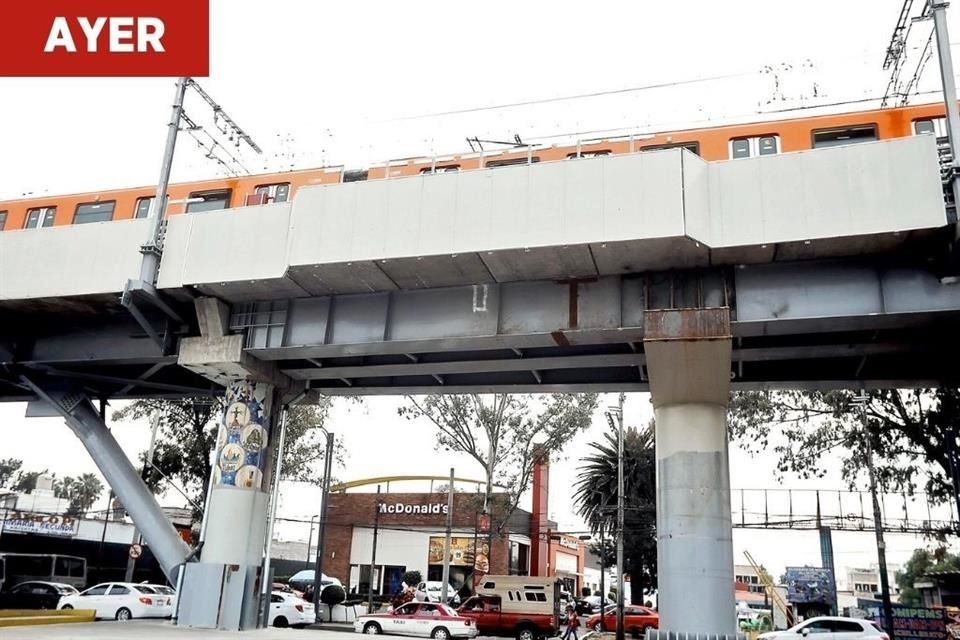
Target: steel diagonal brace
79,414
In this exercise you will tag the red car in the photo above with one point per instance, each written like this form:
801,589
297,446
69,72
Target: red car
636,620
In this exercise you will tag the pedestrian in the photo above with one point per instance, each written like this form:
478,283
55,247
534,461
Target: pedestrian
573,623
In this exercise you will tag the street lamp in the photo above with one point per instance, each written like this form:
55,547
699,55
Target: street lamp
310,539
617,413
861,400
322,533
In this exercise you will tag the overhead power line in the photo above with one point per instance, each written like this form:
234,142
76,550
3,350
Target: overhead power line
578,96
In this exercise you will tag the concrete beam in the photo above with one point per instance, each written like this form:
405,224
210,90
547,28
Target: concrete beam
224,360
213,317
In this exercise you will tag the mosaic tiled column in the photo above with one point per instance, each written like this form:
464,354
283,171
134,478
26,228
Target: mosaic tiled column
236,522
244,436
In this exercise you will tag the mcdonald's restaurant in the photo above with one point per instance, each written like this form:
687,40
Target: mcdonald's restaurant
376,538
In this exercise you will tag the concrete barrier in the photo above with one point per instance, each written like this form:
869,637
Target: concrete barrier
29,617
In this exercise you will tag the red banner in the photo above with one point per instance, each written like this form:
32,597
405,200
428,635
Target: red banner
105,38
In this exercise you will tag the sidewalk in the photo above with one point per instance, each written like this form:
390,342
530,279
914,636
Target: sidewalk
161,630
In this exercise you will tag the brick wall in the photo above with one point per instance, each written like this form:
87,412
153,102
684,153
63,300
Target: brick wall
348,510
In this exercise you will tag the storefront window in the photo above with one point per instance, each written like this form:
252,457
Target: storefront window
519,559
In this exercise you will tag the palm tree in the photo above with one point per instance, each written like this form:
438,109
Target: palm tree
82,492
595,497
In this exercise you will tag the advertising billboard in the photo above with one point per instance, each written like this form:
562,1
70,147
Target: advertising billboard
461,551
909,622
809,585
44,524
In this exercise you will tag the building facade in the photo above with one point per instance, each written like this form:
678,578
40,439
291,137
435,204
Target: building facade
410,530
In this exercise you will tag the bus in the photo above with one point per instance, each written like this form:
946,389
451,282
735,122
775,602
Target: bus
49,567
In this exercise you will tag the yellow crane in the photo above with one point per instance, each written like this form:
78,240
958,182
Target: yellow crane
775,596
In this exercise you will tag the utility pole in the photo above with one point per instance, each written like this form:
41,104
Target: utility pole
373,553
446,542
131,561
488,506
862,399
266,577
322,524
938,9
620,503
306,563
603,588
158,207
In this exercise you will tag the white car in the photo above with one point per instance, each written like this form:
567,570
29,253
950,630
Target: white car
287,610
432,590
425,619
169,592
830,628
120,601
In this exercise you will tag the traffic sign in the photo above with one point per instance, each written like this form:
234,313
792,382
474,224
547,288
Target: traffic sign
135,551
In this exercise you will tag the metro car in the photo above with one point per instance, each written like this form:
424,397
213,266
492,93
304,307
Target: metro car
712,143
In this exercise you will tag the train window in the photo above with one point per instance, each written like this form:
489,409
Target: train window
589,154
274,192
693,147
208,201
3,219
768,145
740,148
446,168
143,207
355,175
40,217
936,126
754,146
94,212
851,135
508,162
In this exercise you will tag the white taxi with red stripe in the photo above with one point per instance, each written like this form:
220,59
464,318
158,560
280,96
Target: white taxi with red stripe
423,619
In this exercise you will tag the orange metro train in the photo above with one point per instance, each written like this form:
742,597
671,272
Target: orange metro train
711,143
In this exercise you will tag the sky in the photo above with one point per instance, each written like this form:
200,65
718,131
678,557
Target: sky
322,83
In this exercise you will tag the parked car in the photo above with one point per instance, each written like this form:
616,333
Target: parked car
584,607
636,620
424,619
594,602
830,628
432,590
302,579
288,610
35,594
120,601
169,592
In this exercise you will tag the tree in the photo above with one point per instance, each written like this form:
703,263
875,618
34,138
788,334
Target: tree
82,492
910,431
187,432
412,578
595,497
9,471
499,432
921,562
26,481
332,595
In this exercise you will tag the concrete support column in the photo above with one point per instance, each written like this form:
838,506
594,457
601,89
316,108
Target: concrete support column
223,589
236,523
688,357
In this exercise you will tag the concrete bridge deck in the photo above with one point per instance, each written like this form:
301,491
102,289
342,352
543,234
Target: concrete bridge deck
529,277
